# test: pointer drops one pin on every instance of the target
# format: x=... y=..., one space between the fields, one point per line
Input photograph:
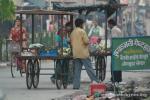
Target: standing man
x=79 y=42
x=116 y=76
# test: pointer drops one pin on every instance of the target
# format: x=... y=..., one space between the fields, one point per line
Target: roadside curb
x=70 y=96
x=2 y=96
x=4 y=64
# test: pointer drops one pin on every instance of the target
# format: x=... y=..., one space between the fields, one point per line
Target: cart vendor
x=62 y=35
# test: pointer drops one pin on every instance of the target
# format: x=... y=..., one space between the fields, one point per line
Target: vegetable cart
x=34 y=56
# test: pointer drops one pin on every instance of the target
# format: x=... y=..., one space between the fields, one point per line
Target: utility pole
x=132 y=17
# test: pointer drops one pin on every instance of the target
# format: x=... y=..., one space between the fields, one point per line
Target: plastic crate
x=97 y=87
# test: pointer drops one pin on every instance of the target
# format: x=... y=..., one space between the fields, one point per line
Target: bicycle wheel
x=14 y=69
x=102 y=68
x=19 y=66
x=29 y=74
x=36 y=73
x=58 y=74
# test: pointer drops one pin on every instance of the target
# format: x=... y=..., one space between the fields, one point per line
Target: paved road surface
x=15 y=88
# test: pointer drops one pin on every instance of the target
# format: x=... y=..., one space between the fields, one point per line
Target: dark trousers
x=116 y=76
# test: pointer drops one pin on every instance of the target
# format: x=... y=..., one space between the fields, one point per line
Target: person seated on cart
x=19 y=36
x=62 y=35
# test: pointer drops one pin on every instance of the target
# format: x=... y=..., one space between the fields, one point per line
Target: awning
x=44 y=12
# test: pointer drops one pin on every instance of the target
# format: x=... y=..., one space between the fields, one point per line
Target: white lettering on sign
x=131 y=43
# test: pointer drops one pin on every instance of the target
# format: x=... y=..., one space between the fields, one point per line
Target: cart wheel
x=58 y=74
x=14 y=69
x=36 y=74
x=96 y=67
x=102 y=67
x=29 y=75
x=103 y=64
x=65 y=69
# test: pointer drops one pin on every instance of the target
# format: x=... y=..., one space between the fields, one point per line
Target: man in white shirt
x=115 y=32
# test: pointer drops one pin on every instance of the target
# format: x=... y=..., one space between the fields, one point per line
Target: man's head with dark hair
x=69 y=26
x=79 y=22
x=112 y=23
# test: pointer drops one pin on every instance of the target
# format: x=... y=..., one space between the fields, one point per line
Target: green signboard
x=131 y=53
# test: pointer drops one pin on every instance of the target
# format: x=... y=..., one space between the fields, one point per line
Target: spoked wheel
x=64 y=71
x=102 y=67
x=29 y=74
x=14 y=69
x=36 y=73
x=97 y=67
x=58 y=74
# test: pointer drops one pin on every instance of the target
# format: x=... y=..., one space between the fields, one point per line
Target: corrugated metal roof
x=66 y=1
x=45 y=12
x=91 y=6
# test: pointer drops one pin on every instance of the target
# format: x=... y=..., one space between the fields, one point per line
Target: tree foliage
x=7 y=10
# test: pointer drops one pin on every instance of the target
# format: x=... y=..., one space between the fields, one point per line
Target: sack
x=92 y=49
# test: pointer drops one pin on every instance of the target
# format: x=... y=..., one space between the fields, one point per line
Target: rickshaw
x=108 y=10
x=33 y=60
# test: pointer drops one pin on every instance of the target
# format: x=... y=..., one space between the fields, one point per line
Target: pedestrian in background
x=80 y=42
x=96 y=32
x=116 y=76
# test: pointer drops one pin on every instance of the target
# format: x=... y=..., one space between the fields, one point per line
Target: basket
x=14 y=46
